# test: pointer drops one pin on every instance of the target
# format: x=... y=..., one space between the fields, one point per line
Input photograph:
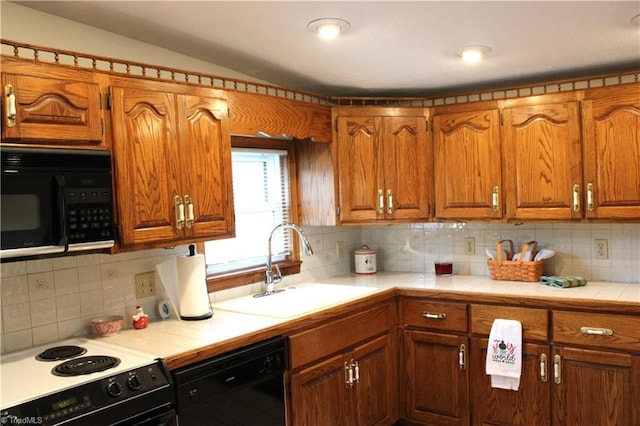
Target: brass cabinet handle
x=380 y=201
x=389 y=202
x=348 y=374
x=434 y=315
x=10 y=105
x=179 y=208
x=543 y=368
x=351 y=373
x=557 y=369
x=462 y=355
x=590 y=205
x=576 y=198
x=495 y=199
x=190 y=215
x=596 y=331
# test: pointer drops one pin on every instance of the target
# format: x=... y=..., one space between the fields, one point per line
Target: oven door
x=165 y=418
x=31 y=210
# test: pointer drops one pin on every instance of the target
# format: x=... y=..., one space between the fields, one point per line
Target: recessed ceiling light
x=329 y=28
x=635 y=20
x=474 y=54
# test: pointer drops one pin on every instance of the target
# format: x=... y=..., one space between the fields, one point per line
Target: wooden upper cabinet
x=384 y=168
x=60 y=107
x=543 y=161
x=611 y=135
x=360 y=168
x=145 y=164
x=205 y=164
x=468 y=164
x=172 y=155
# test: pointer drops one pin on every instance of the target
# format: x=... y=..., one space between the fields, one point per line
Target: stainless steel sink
x=295 y=300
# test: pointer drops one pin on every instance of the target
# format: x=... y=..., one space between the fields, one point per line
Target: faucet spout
x=272 y=279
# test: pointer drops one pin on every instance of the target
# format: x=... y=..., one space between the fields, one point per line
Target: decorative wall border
x=174 y=75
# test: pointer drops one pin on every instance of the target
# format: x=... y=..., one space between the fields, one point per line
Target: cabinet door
x=529 y=406
x=360 y=169
x=611 y=128
x=205 y=165
x=376 y=395
x=144 y=147
x=468 y=165
x=320 y=395
x=595 y=388
x=407 y=171
x=436 y=382
x=542 y=157
x=56 y=110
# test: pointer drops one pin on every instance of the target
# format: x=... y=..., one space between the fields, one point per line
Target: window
x=262 y=200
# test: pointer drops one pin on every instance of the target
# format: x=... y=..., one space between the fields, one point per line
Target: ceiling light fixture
x=329 y=28
x=474 y=54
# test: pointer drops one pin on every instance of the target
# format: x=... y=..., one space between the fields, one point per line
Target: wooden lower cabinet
x=435 y=378
x=529 y=406
x=595 y=388
x=356 y=388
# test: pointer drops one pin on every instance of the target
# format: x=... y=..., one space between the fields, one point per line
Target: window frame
x=238 y=277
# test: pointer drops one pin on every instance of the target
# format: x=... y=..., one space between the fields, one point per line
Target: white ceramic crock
x=365 y=260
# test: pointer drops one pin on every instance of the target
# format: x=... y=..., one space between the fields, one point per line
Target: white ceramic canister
x=365 y=260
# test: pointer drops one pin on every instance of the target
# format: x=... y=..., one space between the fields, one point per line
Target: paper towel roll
x=192 y=287
x=185 y=283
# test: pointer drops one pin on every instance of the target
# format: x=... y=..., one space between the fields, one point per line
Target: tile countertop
x=173 y=338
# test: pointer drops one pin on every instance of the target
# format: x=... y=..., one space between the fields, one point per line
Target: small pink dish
x=107 y=326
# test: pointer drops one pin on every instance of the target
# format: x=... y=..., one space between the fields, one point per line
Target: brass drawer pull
x=434 y=315
x=380 y=201
x=596 y=331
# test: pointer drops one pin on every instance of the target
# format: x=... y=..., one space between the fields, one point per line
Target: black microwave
x=55 y=202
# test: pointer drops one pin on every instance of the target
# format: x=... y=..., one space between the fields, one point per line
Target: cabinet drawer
x=434 y=315
x=620 y=332
x=338 y=335
x=535 y=322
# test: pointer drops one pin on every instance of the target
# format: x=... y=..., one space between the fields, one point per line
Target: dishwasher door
x=242 y=387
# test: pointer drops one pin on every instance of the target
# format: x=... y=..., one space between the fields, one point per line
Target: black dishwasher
x=243 y=387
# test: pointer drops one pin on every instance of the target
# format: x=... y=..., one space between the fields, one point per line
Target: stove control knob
x=114 y=389
x=134 y=382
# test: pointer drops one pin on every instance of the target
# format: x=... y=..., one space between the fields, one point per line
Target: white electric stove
x=82 y=381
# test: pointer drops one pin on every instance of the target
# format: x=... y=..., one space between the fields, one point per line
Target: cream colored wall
x=22 y=24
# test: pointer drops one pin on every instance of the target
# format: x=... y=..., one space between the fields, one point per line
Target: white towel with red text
x=504 y=354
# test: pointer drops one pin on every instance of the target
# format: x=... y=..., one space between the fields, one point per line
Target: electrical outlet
x=601 y=249
x=470 y=246
x=145 y=284
x=339 y=248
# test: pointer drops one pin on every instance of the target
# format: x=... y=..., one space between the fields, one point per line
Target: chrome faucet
x=272 y=279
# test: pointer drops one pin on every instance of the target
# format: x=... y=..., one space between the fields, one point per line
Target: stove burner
x=60 y=352
x=85 y=365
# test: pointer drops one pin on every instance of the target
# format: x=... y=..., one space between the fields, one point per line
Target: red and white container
x=365 y=260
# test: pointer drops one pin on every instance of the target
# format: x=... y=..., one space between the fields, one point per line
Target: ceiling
x=393 y=48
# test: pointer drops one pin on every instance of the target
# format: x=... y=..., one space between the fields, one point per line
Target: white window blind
x=261 y=201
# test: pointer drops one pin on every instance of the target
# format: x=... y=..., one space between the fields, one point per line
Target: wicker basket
x=516 y=270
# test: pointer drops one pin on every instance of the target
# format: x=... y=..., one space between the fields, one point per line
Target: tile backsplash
x=52 y=299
